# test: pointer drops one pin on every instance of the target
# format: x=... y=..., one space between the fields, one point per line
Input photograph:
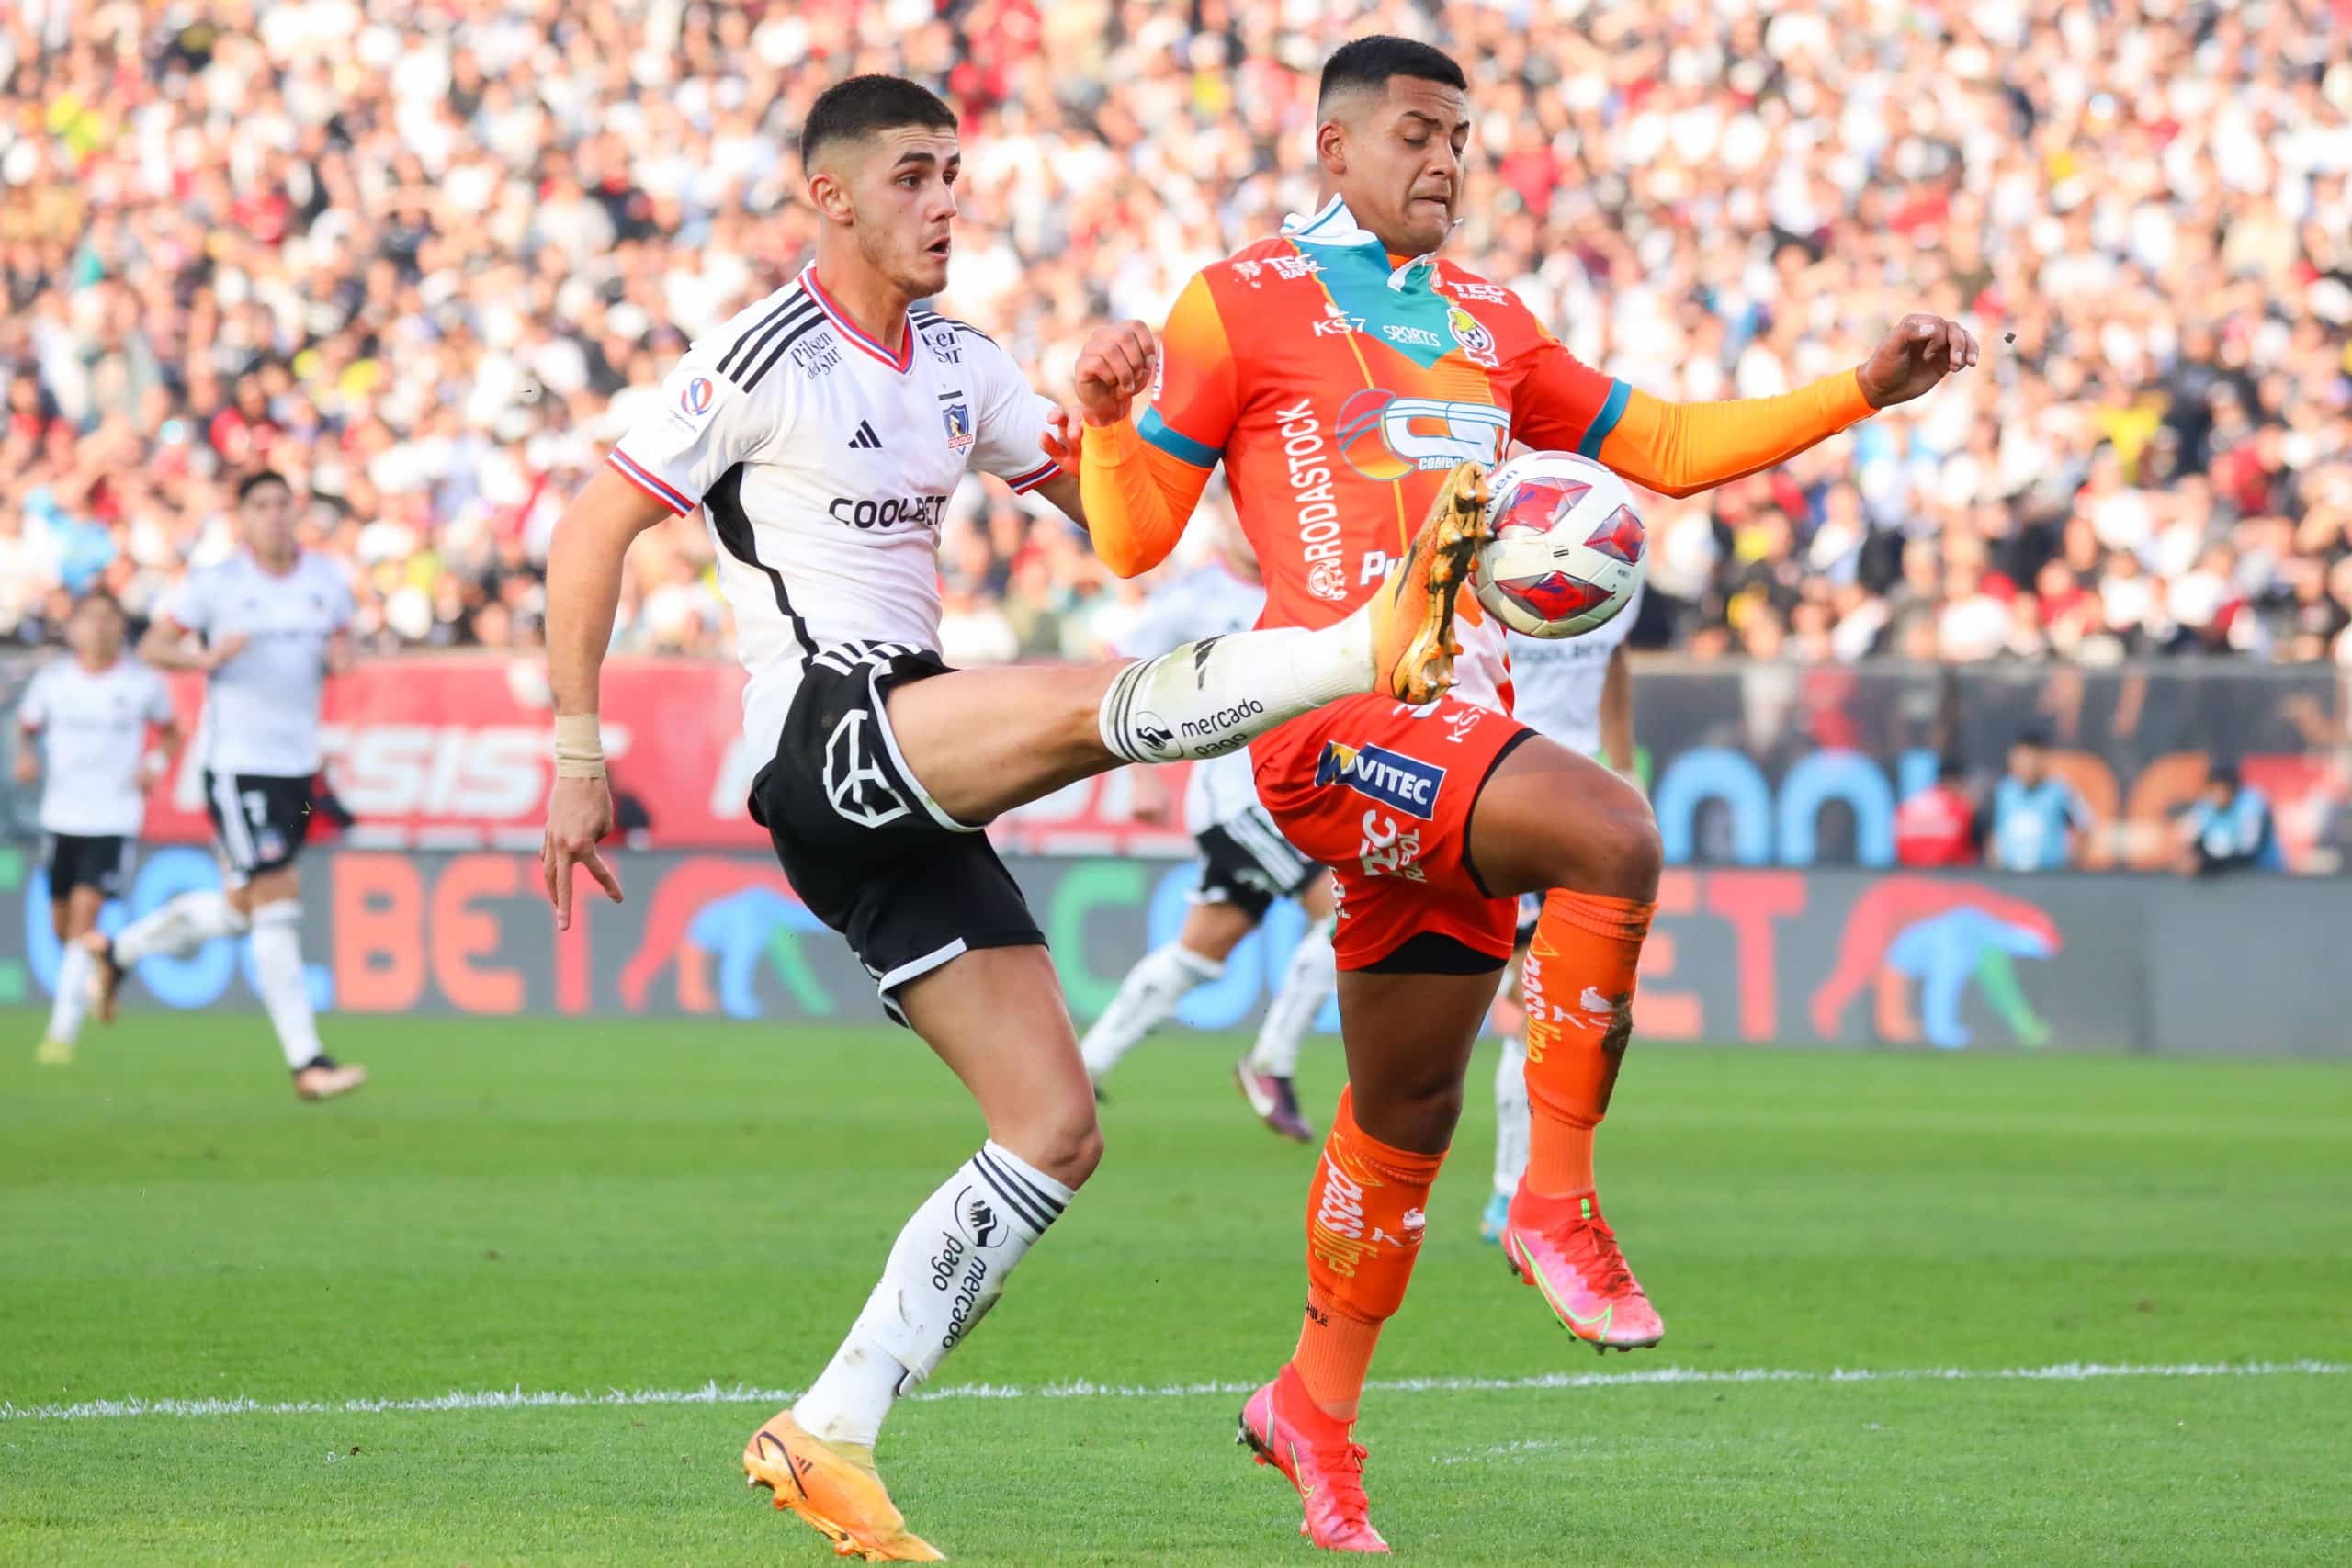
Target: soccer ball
x=1565 y=549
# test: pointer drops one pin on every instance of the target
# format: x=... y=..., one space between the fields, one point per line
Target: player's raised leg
x=1600 y=866
x=980 y=742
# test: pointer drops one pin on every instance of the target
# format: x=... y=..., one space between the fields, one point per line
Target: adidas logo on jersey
x=864 y=440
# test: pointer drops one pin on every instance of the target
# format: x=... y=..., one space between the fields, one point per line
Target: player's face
x=95 y=633
x=902 y=192
x=1403 y=174
x=265 y=518
x=2025 y=762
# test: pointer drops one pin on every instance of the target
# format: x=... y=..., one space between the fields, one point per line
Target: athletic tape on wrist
x=579 y=747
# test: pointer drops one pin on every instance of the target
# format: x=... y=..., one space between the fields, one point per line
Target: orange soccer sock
x=1578 y=984
x=1364 y=1221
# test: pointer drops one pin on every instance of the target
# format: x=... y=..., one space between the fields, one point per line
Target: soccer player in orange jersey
x=1342 y=374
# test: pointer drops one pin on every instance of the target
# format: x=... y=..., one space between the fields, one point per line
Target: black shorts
x=259 y=821
x=869 y=852
x=1247 y=862
x=80 y=860
x=1531 y=909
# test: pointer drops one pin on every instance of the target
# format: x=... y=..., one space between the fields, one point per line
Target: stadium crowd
x=428 y=259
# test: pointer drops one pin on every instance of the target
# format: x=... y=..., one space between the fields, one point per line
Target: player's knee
x=1610 y=845
x=1063 y=1141
x=1417 y=1113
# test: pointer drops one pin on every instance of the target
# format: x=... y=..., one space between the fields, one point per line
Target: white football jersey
x=261 y=709
x=1208 y=600
x=823 y=464
x=1557 y=682
x=93 y=737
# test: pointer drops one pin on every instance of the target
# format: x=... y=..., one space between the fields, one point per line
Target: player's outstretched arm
x=584 y=561
x=1683 y=448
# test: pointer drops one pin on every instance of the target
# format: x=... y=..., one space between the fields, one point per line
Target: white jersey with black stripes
x=823 y=464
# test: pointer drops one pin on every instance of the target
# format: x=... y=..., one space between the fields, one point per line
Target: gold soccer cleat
x=1412 y=626
x=832 y=1486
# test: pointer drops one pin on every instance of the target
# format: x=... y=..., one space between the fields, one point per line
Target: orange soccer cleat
x=1318 y=1454
x=1412 y=613
x=834 y=1487
x=1564 y=1248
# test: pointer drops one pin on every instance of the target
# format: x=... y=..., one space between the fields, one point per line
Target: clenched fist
x=1114 y=368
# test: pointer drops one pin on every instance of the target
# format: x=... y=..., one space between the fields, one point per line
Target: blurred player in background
x=264 y=628
x=90 y=715
x=1348 y=378
x=1579 y=691
x=1246 y=864
x=820 y=432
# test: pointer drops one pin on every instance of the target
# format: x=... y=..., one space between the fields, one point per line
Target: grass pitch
x=542 y=1208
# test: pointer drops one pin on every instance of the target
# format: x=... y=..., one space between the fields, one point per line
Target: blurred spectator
x=2229 y=828
x=1940 y=824
x=2039 y=820
x=427 y=261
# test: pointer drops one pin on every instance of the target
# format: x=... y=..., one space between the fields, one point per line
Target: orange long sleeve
x=1137 y=498
x=1682 y=448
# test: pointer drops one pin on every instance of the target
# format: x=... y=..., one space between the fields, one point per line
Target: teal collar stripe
x=1392 y=306
x=1174 y=442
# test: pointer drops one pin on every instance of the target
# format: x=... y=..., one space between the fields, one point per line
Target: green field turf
x=543 y=1207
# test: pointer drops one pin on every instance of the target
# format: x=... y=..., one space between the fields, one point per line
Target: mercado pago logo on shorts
x=1400 y=783
x=1385 y=436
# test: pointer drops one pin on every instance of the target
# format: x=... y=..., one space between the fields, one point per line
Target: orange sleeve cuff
x=1682 y=448
x=1137 y=498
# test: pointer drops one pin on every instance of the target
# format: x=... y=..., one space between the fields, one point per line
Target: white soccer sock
x=285 y=989
x=1210 y=697
x=1510 y=1116
x=179 y=927
x=72 y=994
x=946 y=1269
x=1312 y=976
x=1151 y=991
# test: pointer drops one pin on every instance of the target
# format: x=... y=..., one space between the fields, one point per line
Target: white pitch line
x=741 y=1393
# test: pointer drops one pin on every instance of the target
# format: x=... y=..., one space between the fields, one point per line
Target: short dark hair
x=857 y=106
x=259 y=477
x=1371 y=61
x=2033 y=735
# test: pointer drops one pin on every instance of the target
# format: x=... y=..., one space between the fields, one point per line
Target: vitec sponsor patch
x=1400 y=783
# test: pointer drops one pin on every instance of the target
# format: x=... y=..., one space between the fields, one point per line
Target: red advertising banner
x=453 y=753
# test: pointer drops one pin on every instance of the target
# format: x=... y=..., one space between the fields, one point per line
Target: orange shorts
x=1381 y=792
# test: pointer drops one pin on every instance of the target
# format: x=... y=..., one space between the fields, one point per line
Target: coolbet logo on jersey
x=1385 y=436
x=1400 y=783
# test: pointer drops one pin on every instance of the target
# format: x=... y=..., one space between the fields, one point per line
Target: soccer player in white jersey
x=820 y=432
x=1579 y=691
x=90 y=716
x=1246 y=864
x=265 y=629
